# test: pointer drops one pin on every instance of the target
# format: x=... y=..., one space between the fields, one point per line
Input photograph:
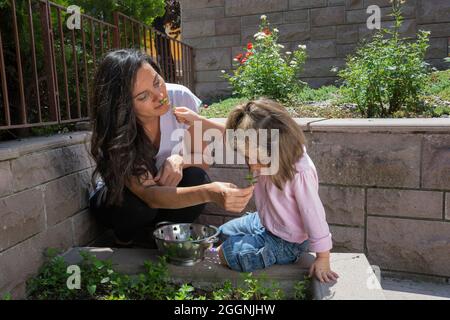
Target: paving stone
x=62 y=198
x=198 y=4
x=6 y=180
x=296 y=16
x=22 y=215
x=409 y=245
x=328 y=16
x=199 y=28
x=436 y=162
x=343 y=205
x=248 y=7
x=85 y=228
x=366 y=159
x=22 y=261
x=196 y=14
x=433 y=11
x=301 y=4
x=228 y=26
x=347 y=239
x=323 y=33
x=405 y=203
x=255 y=20
x=213 y=59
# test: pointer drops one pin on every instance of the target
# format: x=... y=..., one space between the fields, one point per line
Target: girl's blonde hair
x=268 y=114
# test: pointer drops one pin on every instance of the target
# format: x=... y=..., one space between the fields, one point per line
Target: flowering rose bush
x=264 y=69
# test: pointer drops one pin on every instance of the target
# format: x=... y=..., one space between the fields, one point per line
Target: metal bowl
x=184 y=244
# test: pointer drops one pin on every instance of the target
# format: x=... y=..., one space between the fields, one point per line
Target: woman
x=141 y=181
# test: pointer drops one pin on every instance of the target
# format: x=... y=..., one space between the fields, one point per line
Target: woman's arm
x=226 y=195
x=192 y=119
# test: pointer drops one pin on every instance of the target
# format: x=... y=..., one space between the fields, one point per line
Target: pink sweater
x=296 y=213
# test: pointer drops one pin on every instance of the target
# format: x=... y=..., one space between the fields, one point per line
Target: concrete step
x=353 y=268
x=404 y=289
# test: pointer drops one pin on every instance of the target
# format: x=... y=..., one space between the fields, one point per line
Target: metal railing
x=46 y=68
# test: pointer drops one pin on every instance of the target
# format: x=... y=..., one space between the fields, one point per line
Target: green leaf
x=91 y=289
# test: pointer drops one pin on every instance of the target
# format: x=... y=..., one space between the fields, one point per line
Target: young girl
x=290 y=217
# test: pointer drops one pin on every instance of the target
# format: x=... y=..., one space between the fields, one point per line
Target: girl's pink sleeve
x=306 y=189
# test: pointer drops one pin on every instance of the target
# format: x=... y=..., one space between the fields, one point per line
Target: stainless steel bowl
x=184 y=244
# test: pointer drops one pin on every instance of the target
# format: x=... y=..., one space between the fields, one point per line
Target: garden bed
x=112 y=274
x=328 y=102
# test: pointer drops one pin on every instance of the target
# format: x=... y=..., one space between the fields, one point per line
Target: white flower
x=260 y=35
x=234 y=59
x=334 y=69
x=302 y=46
x=223 y=71
x=288 y=53
x=275 y=30
x=293 y=64
x=281 y=46
x=263 y=17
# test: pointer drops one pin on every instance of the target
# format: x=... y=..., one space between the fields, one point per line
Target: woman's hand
x=321 y=269
x=171 y=172
x=230 y=197
x=186 y=115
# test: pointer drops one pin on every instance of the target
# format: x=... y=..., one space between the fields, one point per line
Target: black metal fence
x=46 y=68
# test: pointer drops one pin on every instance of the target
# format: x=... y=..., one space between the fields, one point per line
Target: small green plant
x=301 y=288
x=6 y=297
x=256 y=289
x=251 y=288
x=226 y=292
x=250 y=178
x=389 y=73
x=264 y=70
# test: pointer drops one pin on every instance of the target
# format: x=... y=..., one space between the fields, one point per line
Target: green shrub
x=389 y=73
x=264 y=70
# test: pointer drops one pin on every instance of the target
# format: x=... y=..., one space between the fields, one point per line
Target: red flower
x=239 y=56
x=244 y=60
x=249 y=46
x=267 y=31
x=248 y=54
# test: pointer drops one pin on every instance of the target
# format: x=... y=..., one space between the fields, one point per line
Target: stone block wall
x=43 y=203
x=331 y=29
x=385 y=186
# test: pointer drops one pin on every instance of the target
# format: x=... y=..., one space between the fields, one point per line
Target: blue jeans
x=248 y=246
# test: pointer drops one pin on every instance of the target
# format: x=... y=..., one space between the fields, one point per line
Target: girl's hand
x=186 y=115
x=321 y=269
x=230 y=197
x=171 y=172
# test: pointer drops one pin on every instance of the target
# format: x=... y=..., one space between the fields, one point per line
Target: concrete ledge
x=383 y=125
x=16 y=148
x=353 y=268
x=355 y=278
x=371 y=125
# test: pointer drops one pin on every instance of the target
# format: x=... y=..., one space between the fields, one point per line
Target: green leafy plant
x=6 y=297
x=251 y=288
x=388 y=73
x=256 y=289
x=226 y=292
x=99 y=281
x=264 y=70
x=250 y=178
x=301 y=288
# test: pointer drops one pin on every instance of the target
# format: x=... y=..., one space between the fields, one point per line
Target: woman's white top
x=171 y=138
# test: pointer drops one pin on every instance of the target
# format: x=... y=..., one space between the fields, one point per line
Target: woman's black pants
x=128 y=219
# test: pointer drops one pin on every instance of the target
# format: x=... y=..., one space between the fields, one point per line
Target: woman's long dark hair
x=119 y=145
